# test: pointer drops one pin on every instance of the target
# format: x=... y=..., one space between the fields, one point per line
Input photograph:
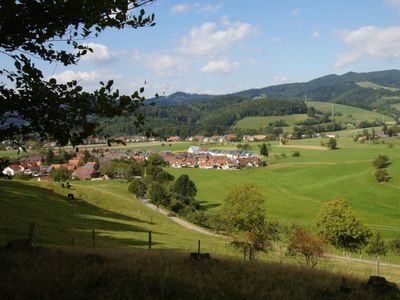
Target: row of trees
x=162 y=188
x=243 y=217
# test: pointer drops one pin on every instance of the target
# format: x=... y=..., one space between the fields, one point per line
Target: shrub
x=382 y=175
x=21 y=176
x=296 y=154
x=382 y=161
x=60 y=174
x=283 y=155
x=332 y=143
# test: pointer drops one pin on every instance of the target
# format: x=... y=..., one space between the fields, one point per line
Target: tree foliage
x=264 y=150
x=332 y=143
x=395 y=245
x=119 y=168
x=340 y=227
x=55 y=32
x=306 y=245
x=184 y=189
x=158 y=194
x=137 y=187
x=382 y=175
x=244 y=212
x=60 y=174
x=382 y=161
x=376 y=246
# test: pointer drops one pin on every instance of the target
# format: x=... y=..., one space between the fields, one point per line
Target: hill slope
x=117 y=217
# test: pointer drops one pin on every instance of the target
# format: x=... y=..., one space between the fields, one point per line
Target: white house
x=12 y=170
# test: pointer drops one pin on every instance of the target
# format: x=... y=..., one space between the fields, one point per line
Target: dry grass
x=139 y=274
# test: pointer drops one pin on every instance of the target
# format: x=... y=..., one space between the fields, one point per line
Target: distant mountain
x=178 y=98
x=344 y=89
x=334 y=88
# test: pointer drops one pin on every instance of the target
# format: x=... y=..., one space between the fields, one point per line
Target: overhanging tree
x=54 y=32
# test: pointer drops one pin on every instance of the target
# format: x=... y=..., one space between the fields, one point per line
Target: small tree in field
x=184 y=189
x=264 y=150
x=395 y=245
x=382 y=161
x=60 y=174
x=306 y=245
x=244 y=212
x=338 y=225
x=376 y=247
x=381 y=175
x=332 y=143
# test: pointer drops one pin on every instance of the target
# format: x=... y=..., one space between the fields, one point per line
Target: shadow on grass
x=58 y=220
x=205 y=205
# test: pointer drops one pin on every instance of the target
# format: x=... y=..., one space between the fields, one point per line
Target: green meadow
x=118 y=218
x=348 y=114
x=296 y=187
x=262 y=122
x=375 y=86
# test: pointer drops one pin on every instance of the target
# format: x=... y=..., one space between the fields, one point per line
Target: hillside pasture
x=262 y=122
x=375 y=86
x=349 y=114
x=296 y=187
x=118 y=218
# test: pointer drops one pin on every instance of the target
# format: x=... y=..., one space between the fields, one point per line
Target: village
x=86 y=165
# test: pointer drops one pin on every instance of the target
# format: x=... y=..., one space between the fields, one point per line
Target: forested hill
x=207 y=117
x=371 y=90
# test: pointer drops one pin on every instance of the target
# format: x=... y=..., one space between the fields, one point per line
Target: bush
x=382 y=175
x=382 y=161
x=61 y=174
x=296 y=154
x=332 y=143
x=197 y=217
x=21 y=176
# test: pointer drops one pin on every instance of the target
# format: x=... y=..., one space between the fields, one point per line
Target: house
x=260 y=137
x=87 y=171
x=174 y=139
x=13 y=169
x=331 y=136
x=230 y=137
x=194 y=150
x=31 y=169
x=199 y=138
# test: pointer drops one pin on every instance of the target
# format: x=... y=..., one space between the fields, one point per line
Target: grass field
x=349 y=114
x=375 y=86
x=117 y=217
x=295 y=187
x=262 y=122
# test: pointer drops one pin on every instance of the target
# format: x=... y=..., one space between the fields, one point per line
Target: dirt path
x=181 y=222
x=308 y=147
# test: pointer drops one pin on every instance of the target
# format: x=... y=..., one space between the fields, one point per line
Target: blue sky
x=226 y=46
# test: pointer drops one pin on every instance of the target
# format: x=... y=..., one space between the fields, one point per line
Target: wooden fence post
x=149 y=240
x=93 y=239
x=31 y=231
x=377 y=265
x=198 y=247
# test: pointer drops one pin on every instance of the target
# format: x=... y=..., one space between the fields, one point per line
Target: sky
x=219 y=47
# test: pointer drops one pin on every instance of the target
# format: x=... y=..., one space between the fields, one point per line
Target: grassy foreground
x=50 y=274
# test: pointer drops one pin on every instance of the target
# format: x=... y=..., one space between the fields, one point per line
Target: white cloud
x=219 y=66
x=393 y=3
x=294 y=12
x=208 y=40
x=209 y=8
x=179 y=8
x=315 y=35
x=69 y=75
x=280 y=78
x=163 y=63
x=370 y=42
x=101 y=53
x=276 y=40
x=197 y=7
